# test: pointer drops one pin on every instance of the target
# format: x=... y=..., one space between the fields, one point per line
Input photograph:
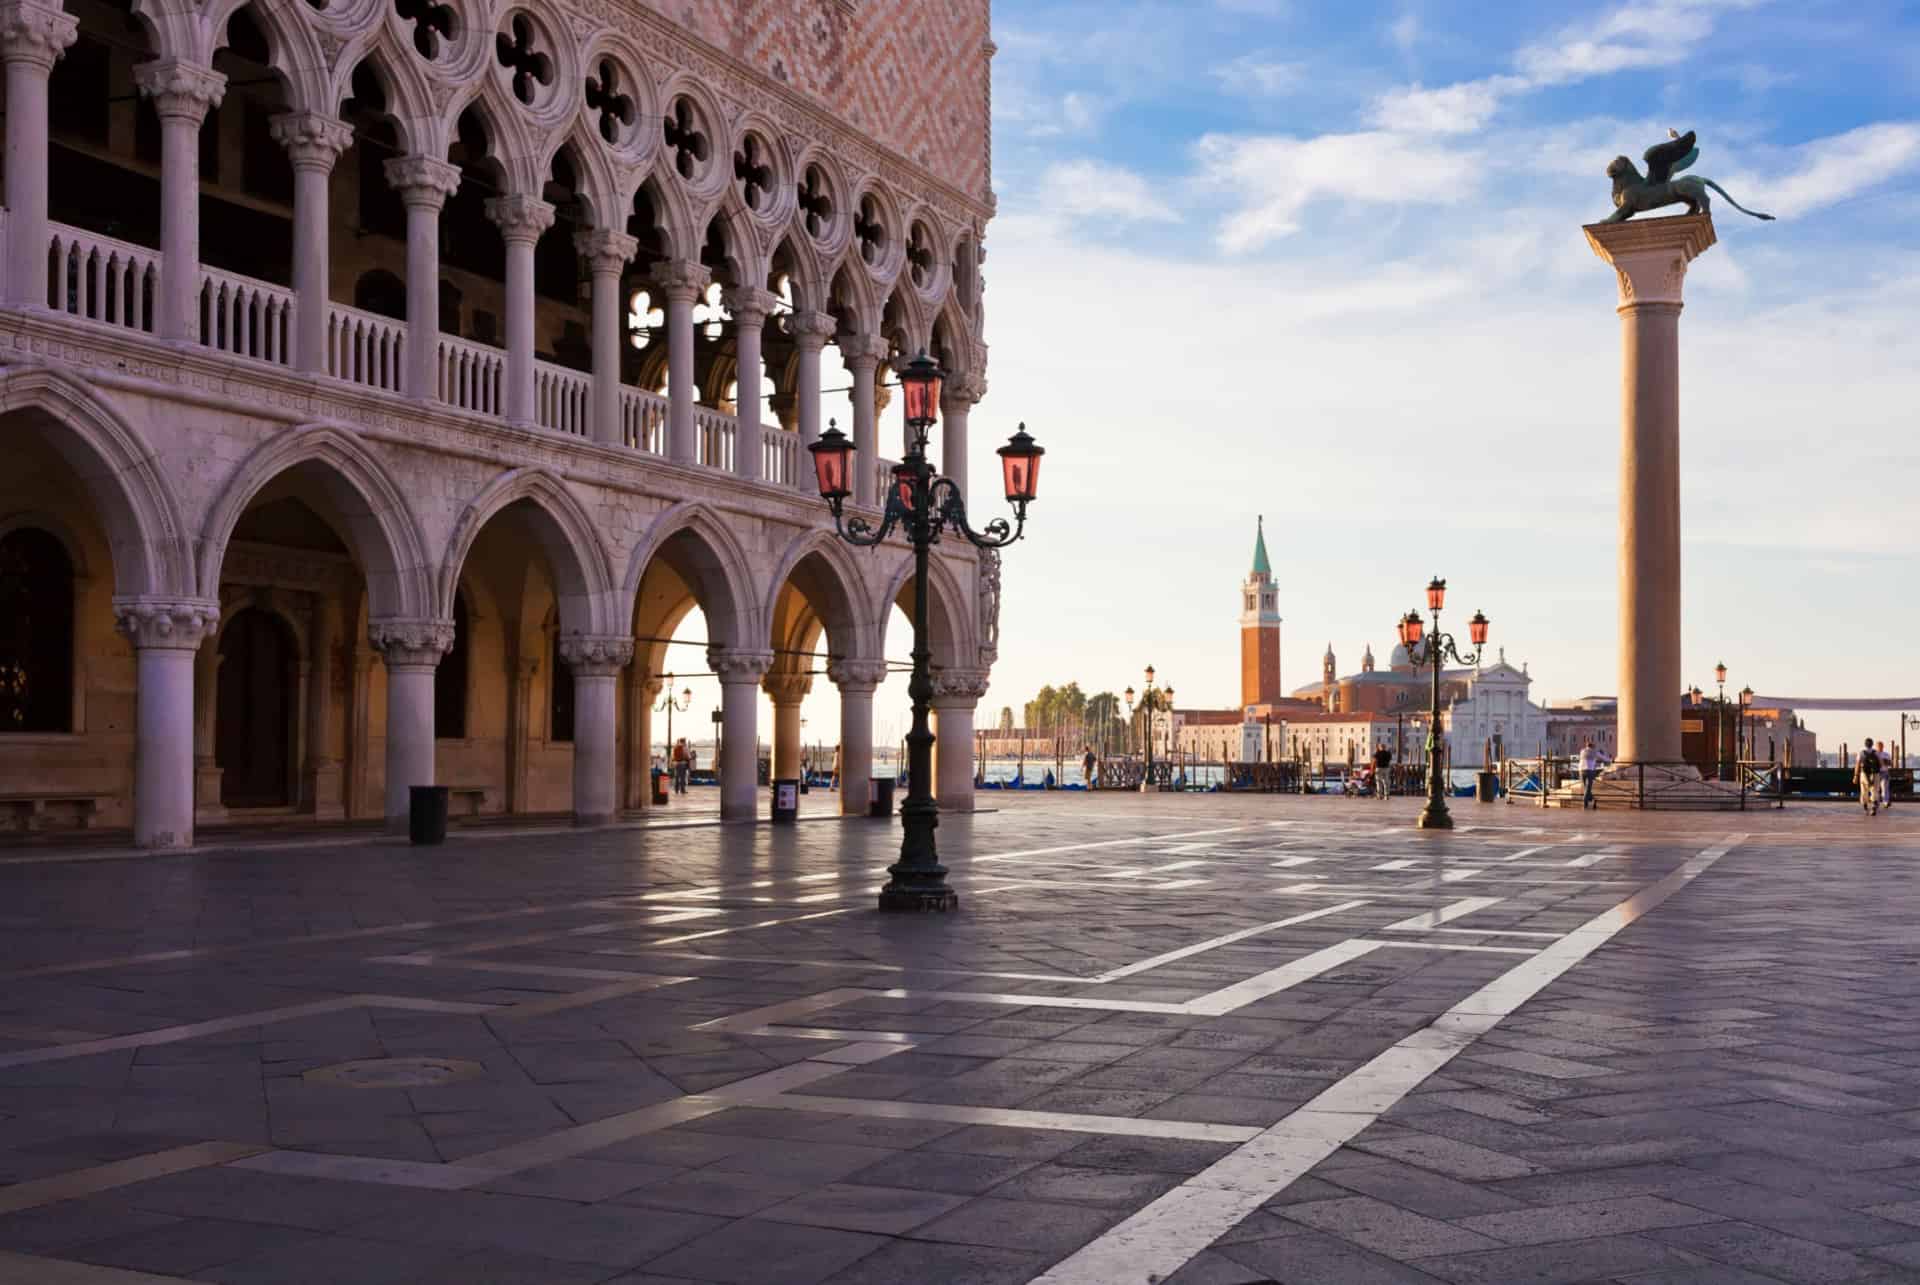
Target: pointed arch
x=294 y=49
x=726 y=588
x=746 y=264
x=409 y=107
x=142 y=517
x=903 y=321
x=792 y=255
x=953 y=641
x=846 y=588
x=594 y=181
x=850 y=299
x=380 y=524
x=563 y=528
x=510 y=146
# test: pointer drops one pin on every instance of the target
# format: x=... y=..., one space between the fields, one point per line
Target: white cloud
x=1451 y=109
x=1276 y=177
x=1842 y=166
x=1254 y=76
x=1086 y=189
x=1653 y=33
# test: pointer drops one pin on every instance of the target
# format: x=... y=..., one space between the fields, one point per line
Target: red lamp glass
x=1149 y=675
x=1129 y=695
x=1020 y=461
x=1412 y=628
x=920 y=381
x=833 y=463
x=1746 y=697
x=903 y=484
x=1477 y=628
x=1436 y=594
x=1720 y=672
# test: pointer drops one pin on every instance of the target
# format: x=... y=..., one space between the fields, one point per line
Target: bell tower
x=1260 y=628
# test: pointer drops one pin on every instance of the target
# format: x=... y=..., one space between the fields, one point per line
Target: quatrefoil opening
x=754 y=175
x=686 y=139
x=529 y=69
x=816 y=203
x=611 y=108
x=434 y=25
x=920 y=255
x=870 y=231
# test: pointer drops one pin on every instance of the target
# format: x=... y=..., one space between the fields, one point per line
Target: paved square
x=1199 y=1040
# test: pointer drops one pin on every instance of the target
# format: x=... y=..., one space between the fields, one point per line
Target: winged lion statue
x=1635 y=193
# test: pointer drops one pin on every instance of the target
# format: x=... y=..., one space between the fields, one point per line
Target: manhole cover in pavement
x=396 y=1073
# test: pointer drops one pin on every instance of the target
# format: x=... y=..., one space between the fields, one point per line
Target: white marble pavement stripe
x=1214 y=943
x=1159 y=1239
x=27 y=1269
x=1445 y=914
x=120 y=1173
x=1014 y=1118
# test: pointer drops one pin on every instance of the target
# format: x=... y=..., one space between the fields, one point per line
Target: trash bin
x=1486 y=787
x=427 y=813
x=786 y=802
x=659 y=789
x=880 y=796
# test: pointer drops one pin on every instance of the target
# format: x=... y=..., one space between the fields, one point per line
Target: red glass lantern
x=903 y=479
x=1746 y=697
x=1412 y=629
x=1720 y=672
x=1020 y=461
x=833 y=463
x=1436 y=593
x=1129 y=695
x=920 y=381
x=1149 y=675
x=1477 y=629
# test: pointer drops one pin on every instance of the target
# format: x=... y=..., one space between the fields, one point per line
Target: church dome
x=1401 y=660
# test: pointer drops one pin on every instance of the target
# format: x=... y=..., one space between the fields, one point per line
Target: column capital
x=963 y=389
x=604 y=249
x=738 y=666
x=750 y=306
x=180 y=624
x=180 y=90
x=596 y=655
x=1650 y=256
x=313 y=141
x=680 y=280
x=651 y=686
x=411 y=644
x=423 y=182
x=520 y=218
x=811 y=330
x=35 y=34
x=857 y=675
x=864 y=351
x=787 y=687
x=959 y=688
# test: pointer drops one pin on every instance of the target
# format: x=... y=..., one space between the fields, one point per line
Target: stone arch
x=129 y=490
x=744 y=263
x=953 y=642
x=561 y=525
x=380 y=525
x=510 y=149
x=903 y=322
x=847 y=604
x=594 y=182
x=295 y=50
x=832 y=243
x=850 y=299
x=716 y=561
x=673 y=222
x=792 y=255
x=407 y=100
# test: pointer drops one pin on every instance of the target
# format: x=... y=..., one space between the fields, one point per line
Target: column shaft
x=740 y=748
x=521 y=220
x=810 y=331
x=856 y=748
x=681 y=283
x=953 y=755
x=412 y=650
x=313 y=144
x=32 y=38
x=182 y=95
x=424 y=184
x=165 y=635
x=748 y=452
x=1650 y=534
x=594 y=769
x=863 y=359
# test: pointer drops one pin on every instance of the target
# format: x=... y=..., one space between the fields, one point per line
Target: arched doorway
x=253 y=721
x=36 y=633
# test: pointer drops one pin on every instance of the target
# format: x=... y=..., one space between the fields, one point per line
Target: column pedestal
x=740 y=673
x=165 y=634
x=856 y=680
x=412 y=650
x=596 y=663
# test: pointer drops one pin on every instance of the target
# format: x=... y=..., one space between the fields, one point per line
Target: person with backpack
x=1867 y=774
x=1382 y=770
x=1088 y=763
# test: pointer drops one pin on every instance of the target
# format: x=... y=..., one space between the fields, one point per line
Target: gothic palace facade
x=384 y=380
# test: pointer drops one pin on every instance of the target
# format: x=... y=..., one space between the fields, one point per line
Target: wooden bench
x=28 y=811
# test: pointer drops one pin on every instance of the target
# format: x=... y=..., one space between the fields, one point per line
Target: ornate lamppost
x=1720 y=723
x=1149 y=701
x=923 y=506
x=1434 y=649
x=668 y=704
x=1745 y=749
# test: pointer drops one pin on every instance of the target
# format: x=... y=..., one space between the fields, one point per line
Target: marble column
x=749 y=308
x=314 y=143
x=1650 y=258
x=166 y=633
x=521 y=220
x=322 y=767
x=596 y=662
x=642 y=691
x=956 y=693
x=856 y=680
x=424 y=184
x=809 y=332
x=739 y=673
x=957 y=397
x=412 y=650
x=787 y=690
x=182 y=95
x=206 y=765
x=607 y=253
x=863 y=355
x=32 y=38
x=681 y=283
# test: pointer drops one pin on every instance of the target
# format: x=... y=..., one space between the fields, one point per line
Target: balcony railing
x=116 y=283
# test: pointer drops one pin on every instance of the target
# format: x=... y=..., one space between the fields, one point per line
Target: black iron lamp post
x=1745 y=750
x=923 y=506
x=1434 y=649
x=1149 y=702
x=1720 y=723
x=669 y=703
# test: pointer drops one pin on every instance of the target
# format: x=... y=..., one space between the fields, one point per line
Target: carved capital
x=749 y=306
x=313 y=141
x=411 y=644
x=738 y=666
x=596 y=655
x=811 y=330
x=180 y=90
x=423 y=182
x=786 y=687
x=1650 y=256
x=681 y=281
x=520 y=218
x=651 y=686
x=177 y=623
x=604 y=249
x=857 y=675
x=35 y=35
x=963 y=390
x=863 y=351
x=960 y=688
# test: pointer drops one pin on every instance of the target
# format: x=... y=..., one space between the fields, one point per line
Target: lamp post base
x=1435 y=817
x=928 y=898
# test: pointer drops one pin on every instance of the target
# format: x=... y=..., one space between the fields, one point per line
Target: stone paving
x=1193 y=1040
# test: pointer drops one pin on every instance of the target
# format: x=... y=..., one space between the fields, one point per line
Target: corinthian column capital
x=35 y=35
x=864 y=351
x=411 y=644
x=180 y=90
x=811 y=330
x=520 y=218
x=738 y=666
x=596 y=655
x=604 y=249
x=422 y=181
x=959 y=687
x=749 y=306
x=178 y=623
x=680 y=280
x=313 y=141
x=857 y=675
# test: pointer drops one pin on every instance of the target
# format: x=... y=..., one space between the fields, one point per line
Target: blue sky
x=1324 y=262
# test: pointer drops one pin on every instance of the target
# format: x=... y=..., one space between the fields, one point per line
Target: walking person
x=1383 y=771
x=1088 y=765
x=680 y=766
x=1866 y=774
x=1591 y=761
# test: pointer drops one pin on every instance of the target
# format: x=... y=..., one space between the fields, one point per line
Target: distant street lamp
x=923 y=506
x=1720 y=723
x=1149 y=699
x=717 y=718
x=1434 y=649
x=1745 y=748
x=668 y=704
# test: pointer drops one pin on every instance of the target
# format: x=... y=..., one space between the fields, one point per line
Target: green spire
x=1261 y=567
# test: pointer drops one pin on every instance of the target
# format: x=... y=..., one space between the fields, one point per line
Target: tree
x=1105 y=721
x=1006 y=719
